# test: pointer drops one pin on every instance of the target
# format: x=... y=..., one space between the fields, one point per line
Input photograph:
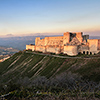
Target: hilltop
x=31 y=65
x=34 y=75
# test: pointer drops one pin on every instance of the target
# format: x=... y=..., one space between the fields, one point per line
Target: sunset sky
x=25 y=17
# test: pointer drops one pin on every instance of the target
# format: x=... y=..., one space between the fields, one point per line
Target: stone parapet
x=30 y=47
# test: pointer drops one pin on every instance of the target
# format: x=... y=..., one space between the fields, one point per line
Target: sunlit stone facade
x=70 y=43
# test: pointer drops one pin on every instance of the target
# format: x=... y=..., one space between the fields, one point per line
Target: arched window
x=87 y=52
x=83 y=52
x=79 y=53
x=90 y=53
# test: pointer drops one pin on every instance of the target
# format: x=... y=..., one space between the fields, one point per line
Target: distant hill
x=94 y=37
x=32 y=65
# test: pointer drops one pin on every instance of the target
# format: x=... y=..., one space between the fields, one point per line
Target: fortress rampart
x=70 y=43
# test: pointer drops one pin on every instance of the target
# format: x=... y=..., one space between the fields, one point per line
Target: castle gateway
x=70 y=44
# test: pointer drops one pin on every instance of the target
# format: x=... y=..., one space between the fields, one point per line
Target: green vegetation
x=30 y=75
x=24 y=64
x=62 y=87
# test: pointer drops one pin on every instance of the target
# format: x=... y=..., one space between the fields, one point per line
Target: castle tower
x=66 y=38
x=36 y=41
x=79 y=36
x=46 y=40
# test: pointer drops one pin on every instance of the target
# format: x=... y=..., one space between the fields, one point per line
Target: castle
x=70 y=44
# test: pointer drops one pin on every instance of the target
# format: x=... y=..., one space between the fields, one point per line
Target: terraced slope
x=31 y=65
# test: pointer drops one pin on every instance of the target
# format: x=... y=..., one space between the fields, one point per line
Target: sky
x=25 y=17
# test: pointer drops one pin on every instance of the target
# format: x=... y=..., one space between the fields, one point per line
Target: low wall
x=70 y=50
x=98 y=44
x=40 y=48
x=83 y=48
x=93 y=44
x=30 y=47
x=53 y=49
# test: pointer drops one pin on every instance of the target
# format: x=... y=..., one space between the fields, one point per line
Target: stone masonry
x=70 y=44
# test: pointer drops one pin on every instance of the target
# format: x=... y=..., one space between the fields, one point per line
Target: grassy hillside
x=28 y=76
x=31 y=65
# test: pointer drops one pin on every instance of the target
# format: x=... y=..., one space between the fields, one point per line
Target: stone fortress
x=70 y=44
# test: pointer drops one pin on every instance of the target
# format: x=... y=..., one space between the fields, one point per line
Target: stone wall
x=40 y=48
x=66 y=38
x=55 y=41
x=93 y=44
x=83 y=48
x=53 y=49
x=98 y=44
x=79 y=36
x=49 y=41
x=59 y=40
x=70 y=50
x=70 y=43
x=39 y=42
x=30 y=47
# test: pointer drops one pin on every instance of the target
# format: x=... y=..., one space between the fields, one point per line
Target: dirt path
x=64 y=56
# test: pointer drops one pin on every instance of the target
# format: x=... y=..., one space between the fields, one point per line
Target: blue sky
x=25 y=17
